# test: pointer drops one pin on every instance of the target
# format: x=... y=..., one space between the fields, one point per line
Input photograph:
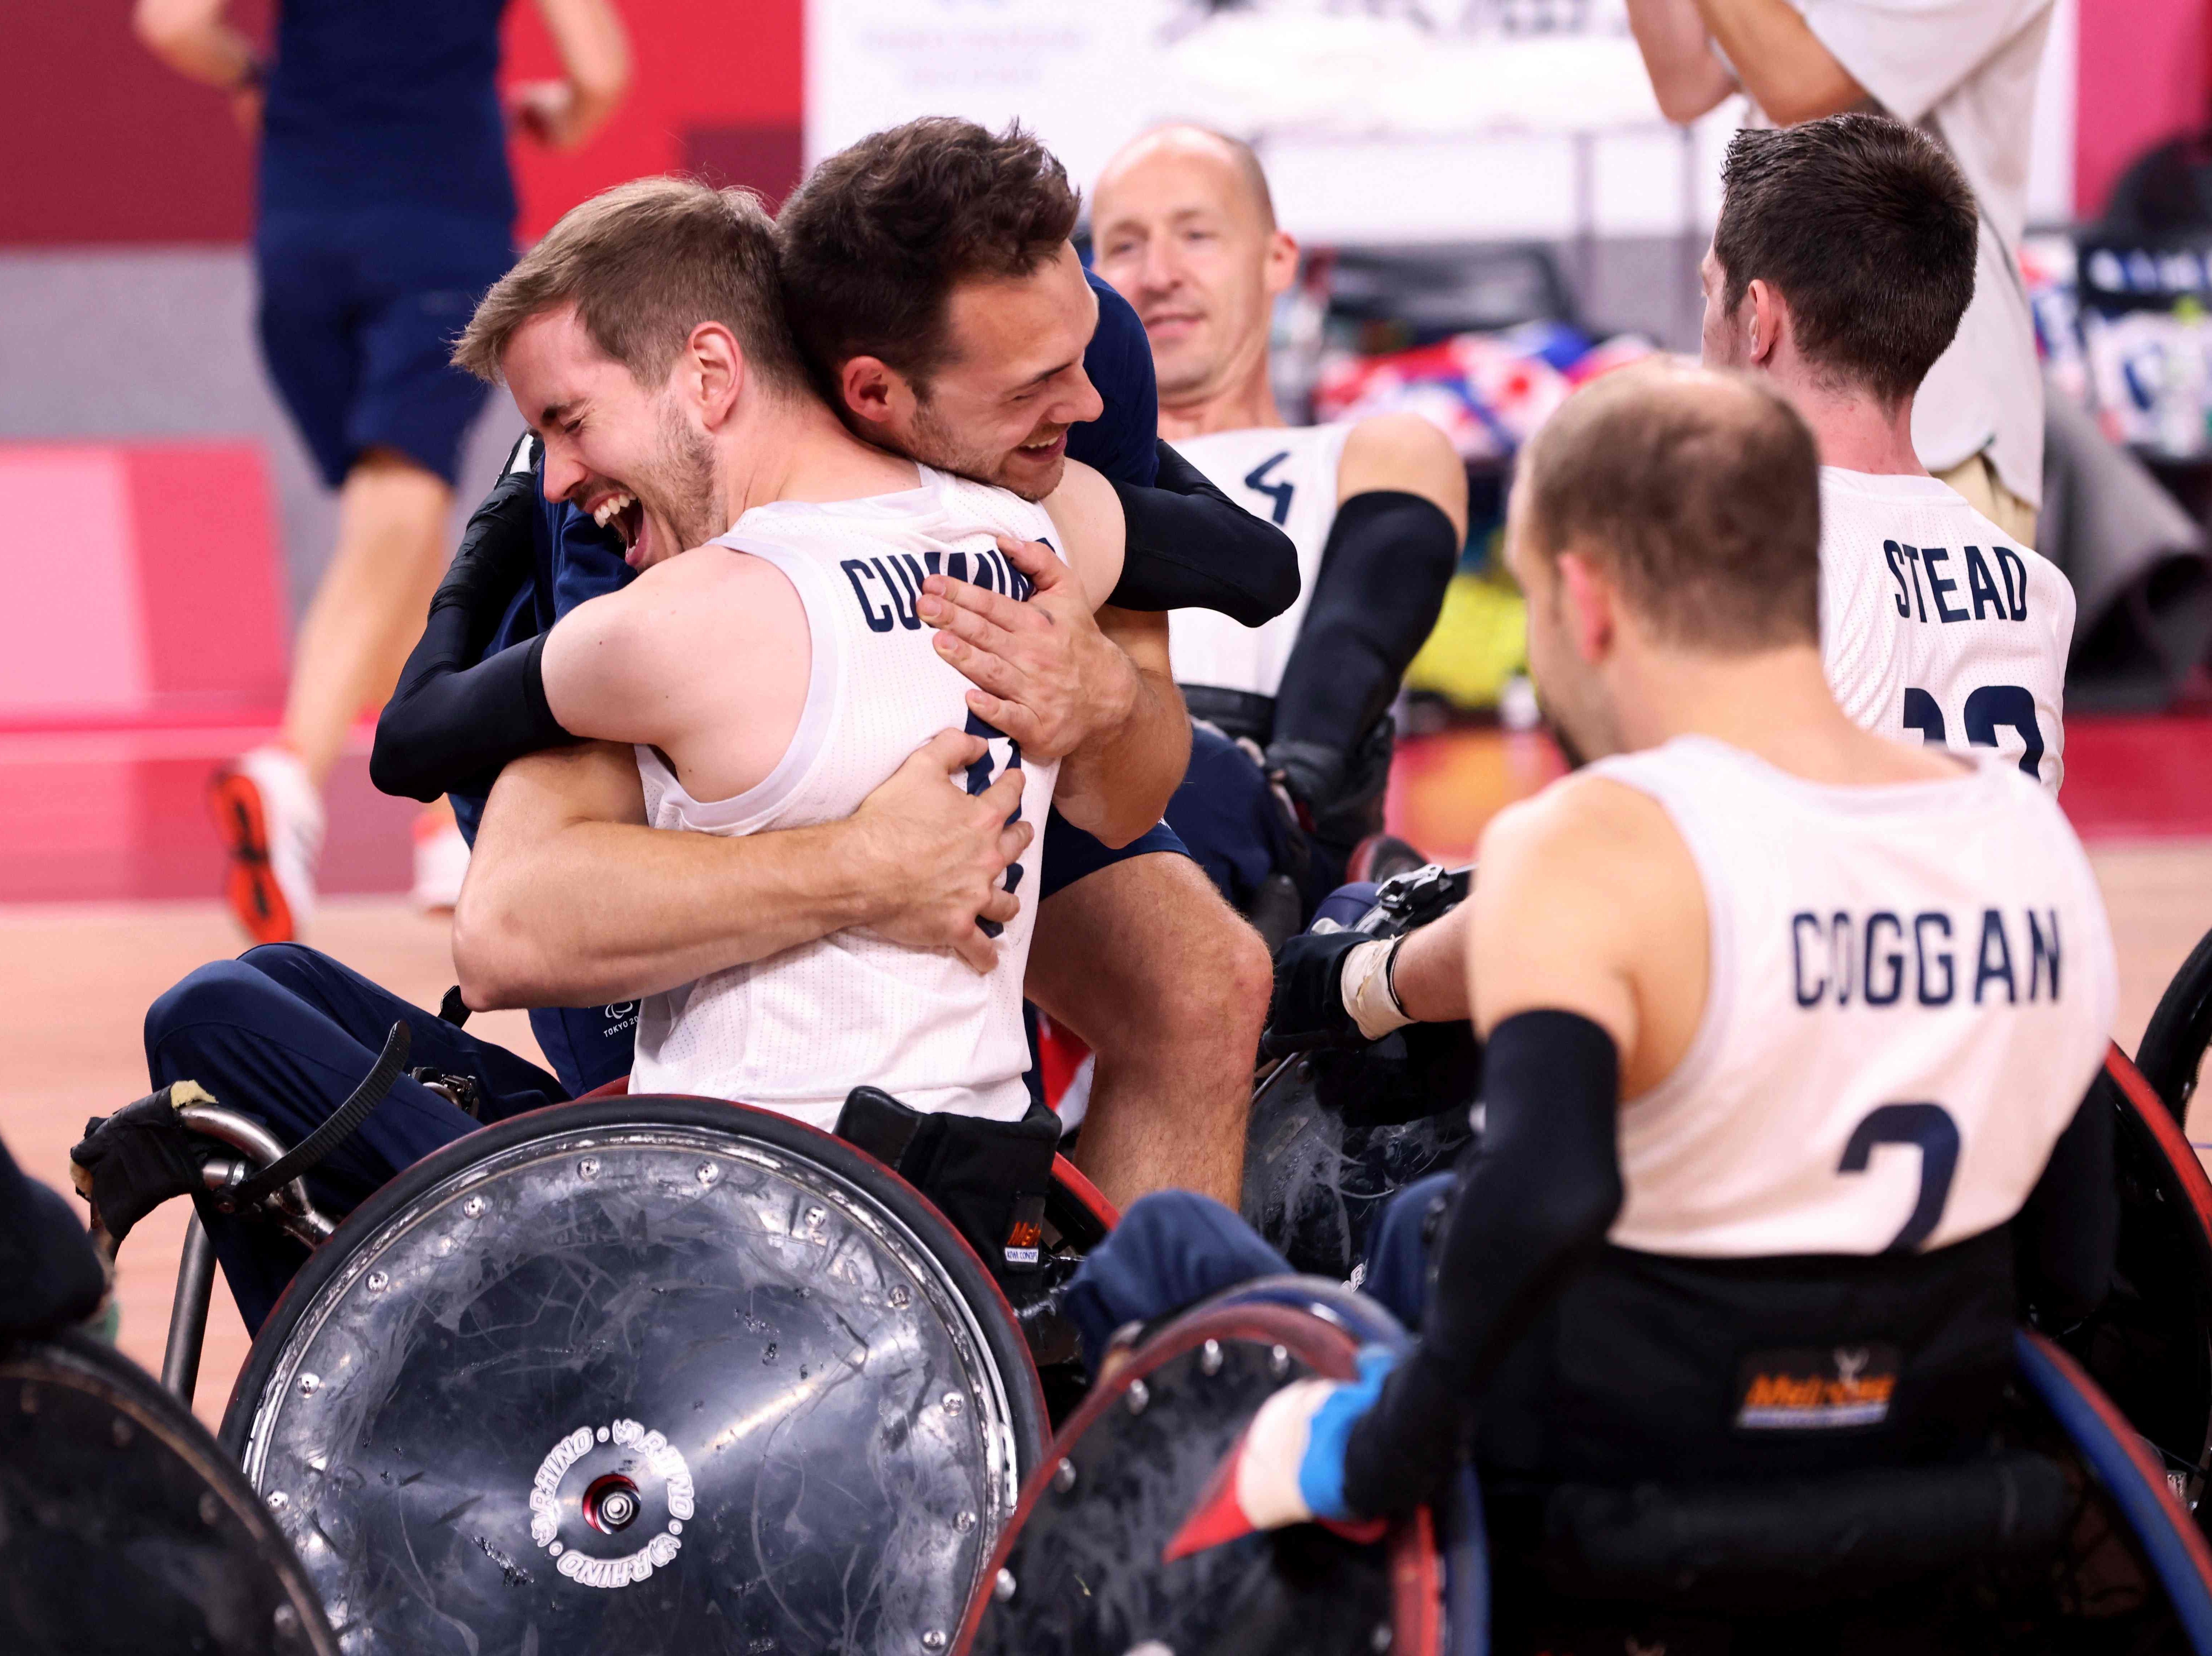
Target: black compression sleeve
x=1188 y=546
x=2067 y=1233
x=456 y=729
x=1389 y=557
x=454 y=720
x=1533 y=1208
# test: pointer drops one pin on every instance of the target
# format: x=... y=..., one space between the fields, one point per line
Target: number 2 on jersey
x=979 y=778
x=1928 y=1129
x=1989 y=710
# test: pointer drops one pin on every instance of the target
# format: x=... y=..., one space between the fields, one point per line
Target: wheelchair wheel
x=1080 y=1572
x=124 y=1528
x=2173 y=1044
x=2149 y=1345
x=642 y=1373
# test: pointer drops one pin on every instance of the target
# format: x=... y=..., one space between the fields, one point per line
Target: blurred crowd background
x=1491 y=204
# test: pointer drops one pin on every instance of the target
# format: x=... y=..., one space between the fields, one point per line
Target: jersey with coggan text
x=1909 y=991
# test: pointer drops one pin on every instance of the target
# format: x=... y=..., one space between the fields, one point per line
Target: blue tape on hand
x=1320 y=1470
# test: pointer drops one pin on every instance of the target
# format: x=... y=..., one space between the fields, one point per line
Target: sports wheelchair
x=1334 y=1135
x=652 y=1372
x=124 y=1527
x=2063 y=1537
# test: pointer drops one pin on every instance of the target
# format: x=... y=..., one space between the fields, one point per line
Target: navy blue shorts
x=1226 y=813
x=359 y=313
x=1070 y=854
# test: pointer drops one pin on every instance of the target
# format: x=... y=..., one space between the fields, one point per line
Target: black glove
x=137 y=1159
x=497 y=554
x=1307 y=1009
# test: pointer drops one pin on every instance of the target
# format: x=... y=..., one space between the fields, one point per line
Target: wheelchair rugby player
x=1841 y=266
x=1711 y=1236
x=825 y=709
x=1787 y=1031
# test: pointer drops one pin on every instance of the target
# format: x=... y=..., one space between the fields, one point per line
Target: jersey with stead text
x=1937 y=626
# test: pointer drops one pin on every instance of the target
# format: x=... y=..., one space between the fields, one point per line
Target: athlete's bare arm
x=571 y=898
x=595 y=66
x=1789 y=75
x=1589 y=903
x=1406 y=453
x=193 y=38
x=704 y=657
x=1069 y=679
x=1687 y=76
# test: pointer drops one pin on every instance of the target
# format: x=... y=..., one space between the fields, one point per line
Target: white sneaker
x=271 y=819
x=441 y=860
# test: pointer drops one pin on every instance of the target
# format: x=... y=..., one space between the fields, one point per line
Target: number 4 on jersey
x=1280 y=493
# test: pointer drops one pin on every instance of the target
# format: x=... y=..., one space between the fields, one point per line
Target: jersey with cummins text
x=1909 y=993
x=1287 y=475
x=797 y=1031
x=1936 y=627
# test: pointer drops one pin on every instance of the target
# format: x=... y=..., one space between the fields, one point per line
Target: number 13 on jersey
x=1988 y=710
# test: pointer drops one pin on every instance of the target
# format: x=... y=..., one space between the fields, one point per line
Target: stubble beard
x=688 y=479
x=935 y=445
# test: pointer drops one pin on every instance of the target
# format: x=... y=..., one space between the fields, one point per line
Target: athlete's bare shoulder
x=1588 y=902
x=1404 y=452
x=1589 y=828
x=707 y=631
x=1088 y=514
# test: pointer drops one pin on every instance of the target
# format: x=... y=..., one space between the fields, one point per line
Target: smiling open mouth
x=620 y=512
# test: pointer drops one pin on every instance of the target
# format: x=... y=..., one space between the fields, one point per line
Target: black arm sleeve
x=2067 y=1233
x=1390 y=556
x=1188 y=546
x=1532 y=1209
x=455 y=719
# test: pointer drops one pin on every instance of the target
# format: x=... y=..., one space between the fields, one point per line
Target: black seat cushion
x=1786 y=1545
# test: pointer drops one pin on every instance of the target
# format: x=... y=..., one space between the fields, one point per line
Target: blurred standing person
x=385 y=209
x=1964 y=72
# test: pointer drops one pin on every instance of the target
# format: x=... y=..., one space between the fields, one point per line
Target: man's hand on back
x=938 y=855
x=1044 y=674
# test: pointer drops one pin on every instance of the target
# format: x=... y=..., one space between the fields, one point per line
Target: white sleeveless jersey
x=1909 y=992
x=1287 y=475
x=797 y=1031
x=1936 y=627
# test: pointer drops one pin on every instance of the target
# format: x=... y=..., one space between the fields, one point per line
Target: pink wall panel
x=142 y=580
x=209 y=569
x=700 y=65
x=2142 y=78
x=72 y=632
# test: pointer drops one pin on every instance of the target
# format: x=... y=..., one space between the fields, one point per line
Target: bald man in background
x=1184 y=228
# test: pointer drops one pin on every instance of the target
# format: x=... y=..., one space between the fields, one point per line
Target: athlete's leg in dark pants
x=284 y=1035
x=1174 y=1248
